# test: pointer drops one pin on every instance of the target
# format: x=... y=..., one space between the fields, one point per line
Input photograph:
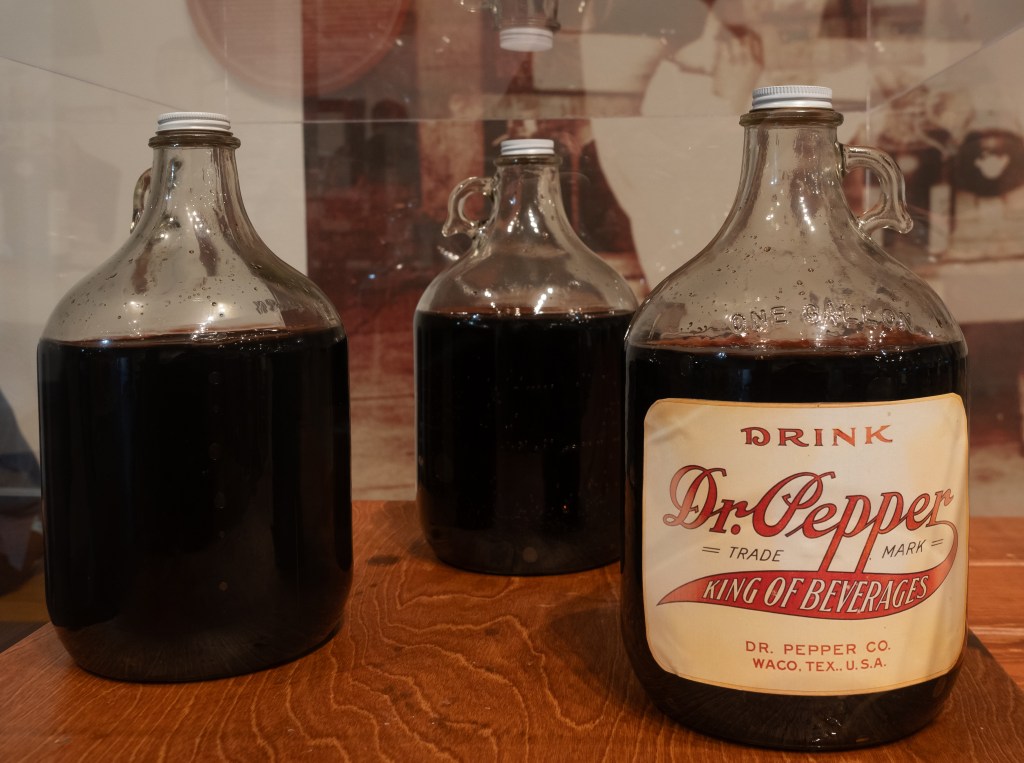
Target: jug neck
x=792 y=174
x=528 y=201
x=194 y=184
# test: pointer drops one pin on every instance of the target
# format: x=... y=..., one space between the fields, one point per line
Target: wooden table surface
x=436 y=664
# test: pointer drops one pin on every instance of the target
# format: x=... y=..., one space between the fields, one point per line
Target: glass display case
x=361 y=116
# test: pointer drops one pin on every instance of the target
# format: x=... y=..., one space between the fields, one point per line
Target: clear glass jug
x=193 y=395
x=519 y=383
x=794 y=570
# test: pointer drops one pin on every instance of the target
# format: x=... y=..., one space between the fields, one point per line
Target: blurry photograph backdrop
x=358 y=117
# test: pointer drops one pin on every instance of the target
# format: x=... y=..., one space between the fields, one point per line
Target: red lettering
x=842 y=527
x=919 y=509
x=871 y=435
x=805 y=497
x=756 y=435
x=729 y=509
x=688 y=505
x=787 y=436
x=794 y=506
x=942 y=498
x=848 y=437
x=760 y=436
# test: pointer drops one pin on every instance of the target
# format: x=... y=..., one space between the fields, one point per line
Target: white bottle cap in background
x=526 y=39
x=792 y=96
x=528 y=147
x=193 y=120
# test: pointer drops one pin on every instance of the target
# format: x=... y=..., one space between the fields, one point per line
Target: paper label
x=806 y=549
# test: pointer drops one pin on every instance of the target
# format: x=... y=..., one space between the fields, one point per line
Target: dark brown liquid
x=197 y=501
x=793 y=374
x=520 y=440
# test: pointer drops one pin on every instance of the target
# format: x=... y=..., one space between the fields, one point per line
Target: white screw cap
x=528 y=147
x=526 y=39
x=193 y=120
x=792 y=96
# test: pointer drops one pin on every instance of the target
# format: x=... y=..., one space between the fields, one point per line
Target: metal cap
x=792 y=96
x=193 y=120
x=528 y=147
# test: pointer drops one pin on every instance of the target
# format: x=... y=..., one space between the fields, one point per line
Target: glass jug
x=519 y=383
x=794 y=570
x=193 y=396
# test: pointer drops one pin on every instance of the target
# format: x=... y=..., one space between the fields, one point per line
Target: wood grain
x=435 y=664
x=995 y=600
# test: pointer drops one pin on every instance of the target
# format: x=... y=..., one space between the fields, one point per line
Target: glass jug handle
x=891 y=210
x=457 y=221
x=139 y=197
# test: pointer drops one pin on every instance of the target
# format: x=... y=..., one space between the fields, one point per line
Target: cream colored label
x=806 y=549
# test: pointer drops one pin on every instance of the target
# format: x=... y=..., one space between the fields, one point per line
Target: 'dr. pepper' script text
x=795 y=505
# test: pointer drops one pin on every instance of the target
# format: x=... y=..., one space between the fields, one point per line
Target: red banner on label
x=818 y=594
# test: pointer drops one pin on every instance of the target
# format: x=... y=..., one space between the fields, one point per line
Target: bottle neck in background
x=528 y=202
